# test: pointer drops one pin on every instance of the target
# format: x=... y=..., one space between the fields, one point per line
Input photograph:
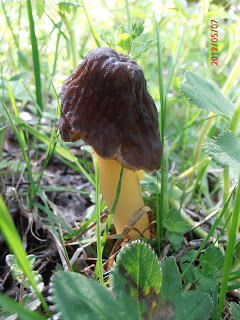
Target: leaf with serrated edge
x=193 y=305
x=190 y=305
x=212 y=260
x=206 y=95
x=76 y=297
x=225 y=151
x=137 y=276
x=171 y=280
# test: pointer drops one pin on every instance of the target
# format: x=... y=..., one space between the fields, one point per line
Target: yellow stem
x=130 y=198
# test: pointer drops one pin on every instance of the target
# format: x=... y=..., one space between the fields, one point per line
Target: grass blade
x=23 y=147
x=35 y=55
x=210 y=233
x=91 y=27
x=230 y=249
x=13 y=240
x=99 y=243
x=162 y=121
x=63 y=152
x=111 y=214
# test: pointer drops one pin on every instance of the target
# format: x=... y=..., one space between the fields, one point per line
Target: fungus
x=105 y=103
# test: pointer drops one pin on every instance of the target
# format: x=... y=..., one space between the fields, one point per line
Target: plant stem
x=73 y=41
x=226 y=179
x=230 y=249
x=235 y=119
x=91 y=27
x=162 y=122
x=128 y=16
x=232 y=76
x=200 y=143
x=193 y=168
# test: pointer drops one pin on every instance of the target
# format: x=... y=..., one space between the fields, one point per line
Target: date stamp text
x=214 y=42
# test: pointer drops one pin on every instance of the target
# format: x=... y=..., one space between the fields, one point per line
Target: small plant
x=28 y=296
x=127 y=43
x=175 y=227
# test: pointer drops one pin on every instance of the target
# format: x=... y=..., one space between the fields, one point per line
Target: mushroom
x=105 y=103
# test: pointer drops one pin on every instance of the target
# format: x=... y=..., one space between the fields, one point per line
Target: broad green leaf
x=171 y=280
x=206 y=95
x=212 y=260
x=15 y=307
x=207 y=283
x=193 y=305
x=138 y=48
x=136 y=276
x=225 y=151
x=235 y=310
x=175 y=238
x=77 y=297
x=190 y=275
x=137 y=28
x=40 y=6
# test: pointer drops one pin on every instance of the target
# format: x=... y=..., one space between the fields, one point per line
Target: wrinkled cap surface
x=105 y=102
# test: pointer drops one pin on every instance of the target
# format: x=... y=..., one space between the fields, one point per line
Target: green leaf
x=212 y=260
x=123 y=39
x=68 y=6
x=225 y=151
x=106 y=40
x=31 y=301
x=75 y=296
x=174 y=222
x=190 y=275
x=207 y=283
x=206 y=95
x=23 y=60
x=137 y=28
x=35 y=56
x=175 y=238
x=171 y=280
x=193 y=305
x=136 y=276
x=235 y=310
x=138 y=48
x=175 y=228
x=40 y=6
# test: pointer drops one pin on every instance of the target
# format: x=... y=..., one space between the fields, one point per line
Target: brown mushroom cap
x=105 y=102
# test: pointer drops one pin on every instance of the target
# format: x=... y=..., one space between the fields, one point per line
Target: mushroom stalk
x=130 y=198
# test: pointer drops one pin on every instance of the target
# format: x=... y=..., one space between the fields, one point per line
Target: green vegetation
x=57 y=232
